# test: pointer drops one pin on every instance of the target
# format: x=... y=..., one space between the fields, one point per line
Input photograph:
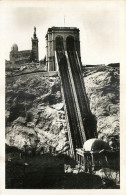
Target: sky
x=99 y=23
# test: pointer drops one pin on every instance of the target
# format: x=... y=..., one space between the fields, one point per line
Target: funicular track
x=69 y=98
x=76 y=72
x=77 y=106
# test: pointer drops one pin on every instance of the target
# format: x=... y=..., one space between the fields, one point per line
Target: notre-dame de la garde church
x=25 y=56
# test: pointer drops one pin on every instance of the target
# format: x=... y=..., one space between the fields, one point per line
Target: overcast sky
x=99 y=23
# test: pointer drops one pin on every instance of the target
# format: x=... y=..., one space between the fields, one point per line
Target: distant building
x=25 y=56
x=114 y=65
x=19 y=57
x=35 y=56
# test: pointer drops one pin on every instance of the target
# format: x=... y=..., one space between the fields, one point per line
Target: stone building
x=52 y=36
x=19 y=57
x=25 y=56
x=35 y=55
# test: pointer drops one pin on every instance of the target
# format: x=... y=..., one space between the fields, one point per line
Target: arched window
x=70 y=43
x=59 y=43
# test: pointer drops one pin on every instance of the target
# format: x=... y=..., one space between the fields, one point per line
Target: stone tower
x=35 y=56
x=13 y=53
x=51 y=36
x=63 y=55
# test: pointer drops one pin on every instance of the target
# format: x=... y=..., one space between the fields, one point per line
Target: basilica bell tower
x=35 y=56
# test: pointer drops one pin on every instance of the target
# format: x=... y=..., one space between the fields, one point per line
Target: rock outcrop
x=34 y=111
x=34 y=107
x=102 y=87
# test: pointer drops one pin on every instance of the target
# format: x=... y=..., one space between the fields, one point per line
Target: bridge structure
x=63 y=55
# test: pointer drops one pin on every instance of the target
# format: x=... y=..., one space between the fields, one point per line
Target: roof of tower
x=55 y=29
x=34 y=34
x=63 y=28
x=95 y=145
x=14 y=47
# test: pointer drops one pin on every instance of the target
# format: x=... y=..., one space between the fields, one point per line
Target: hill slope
x=34 y=107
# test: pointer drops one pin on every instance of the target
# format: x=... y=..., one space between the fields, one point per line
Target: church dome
x=95 y=145
x=14 y=47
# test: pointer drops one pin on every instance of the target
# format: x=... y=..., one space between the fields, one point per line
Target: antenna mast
x=64 y=21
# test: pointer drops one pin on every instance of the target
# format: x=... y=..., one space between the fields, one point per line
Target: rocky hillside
x=34 y=107
x=102 y=87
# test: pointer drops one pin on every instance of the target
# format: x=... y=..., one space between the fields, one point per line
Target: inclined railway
x=74 y=93
x=69 y=98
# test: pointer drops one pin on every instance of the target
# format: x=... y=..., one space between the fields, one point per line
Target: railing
x=95 y=160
